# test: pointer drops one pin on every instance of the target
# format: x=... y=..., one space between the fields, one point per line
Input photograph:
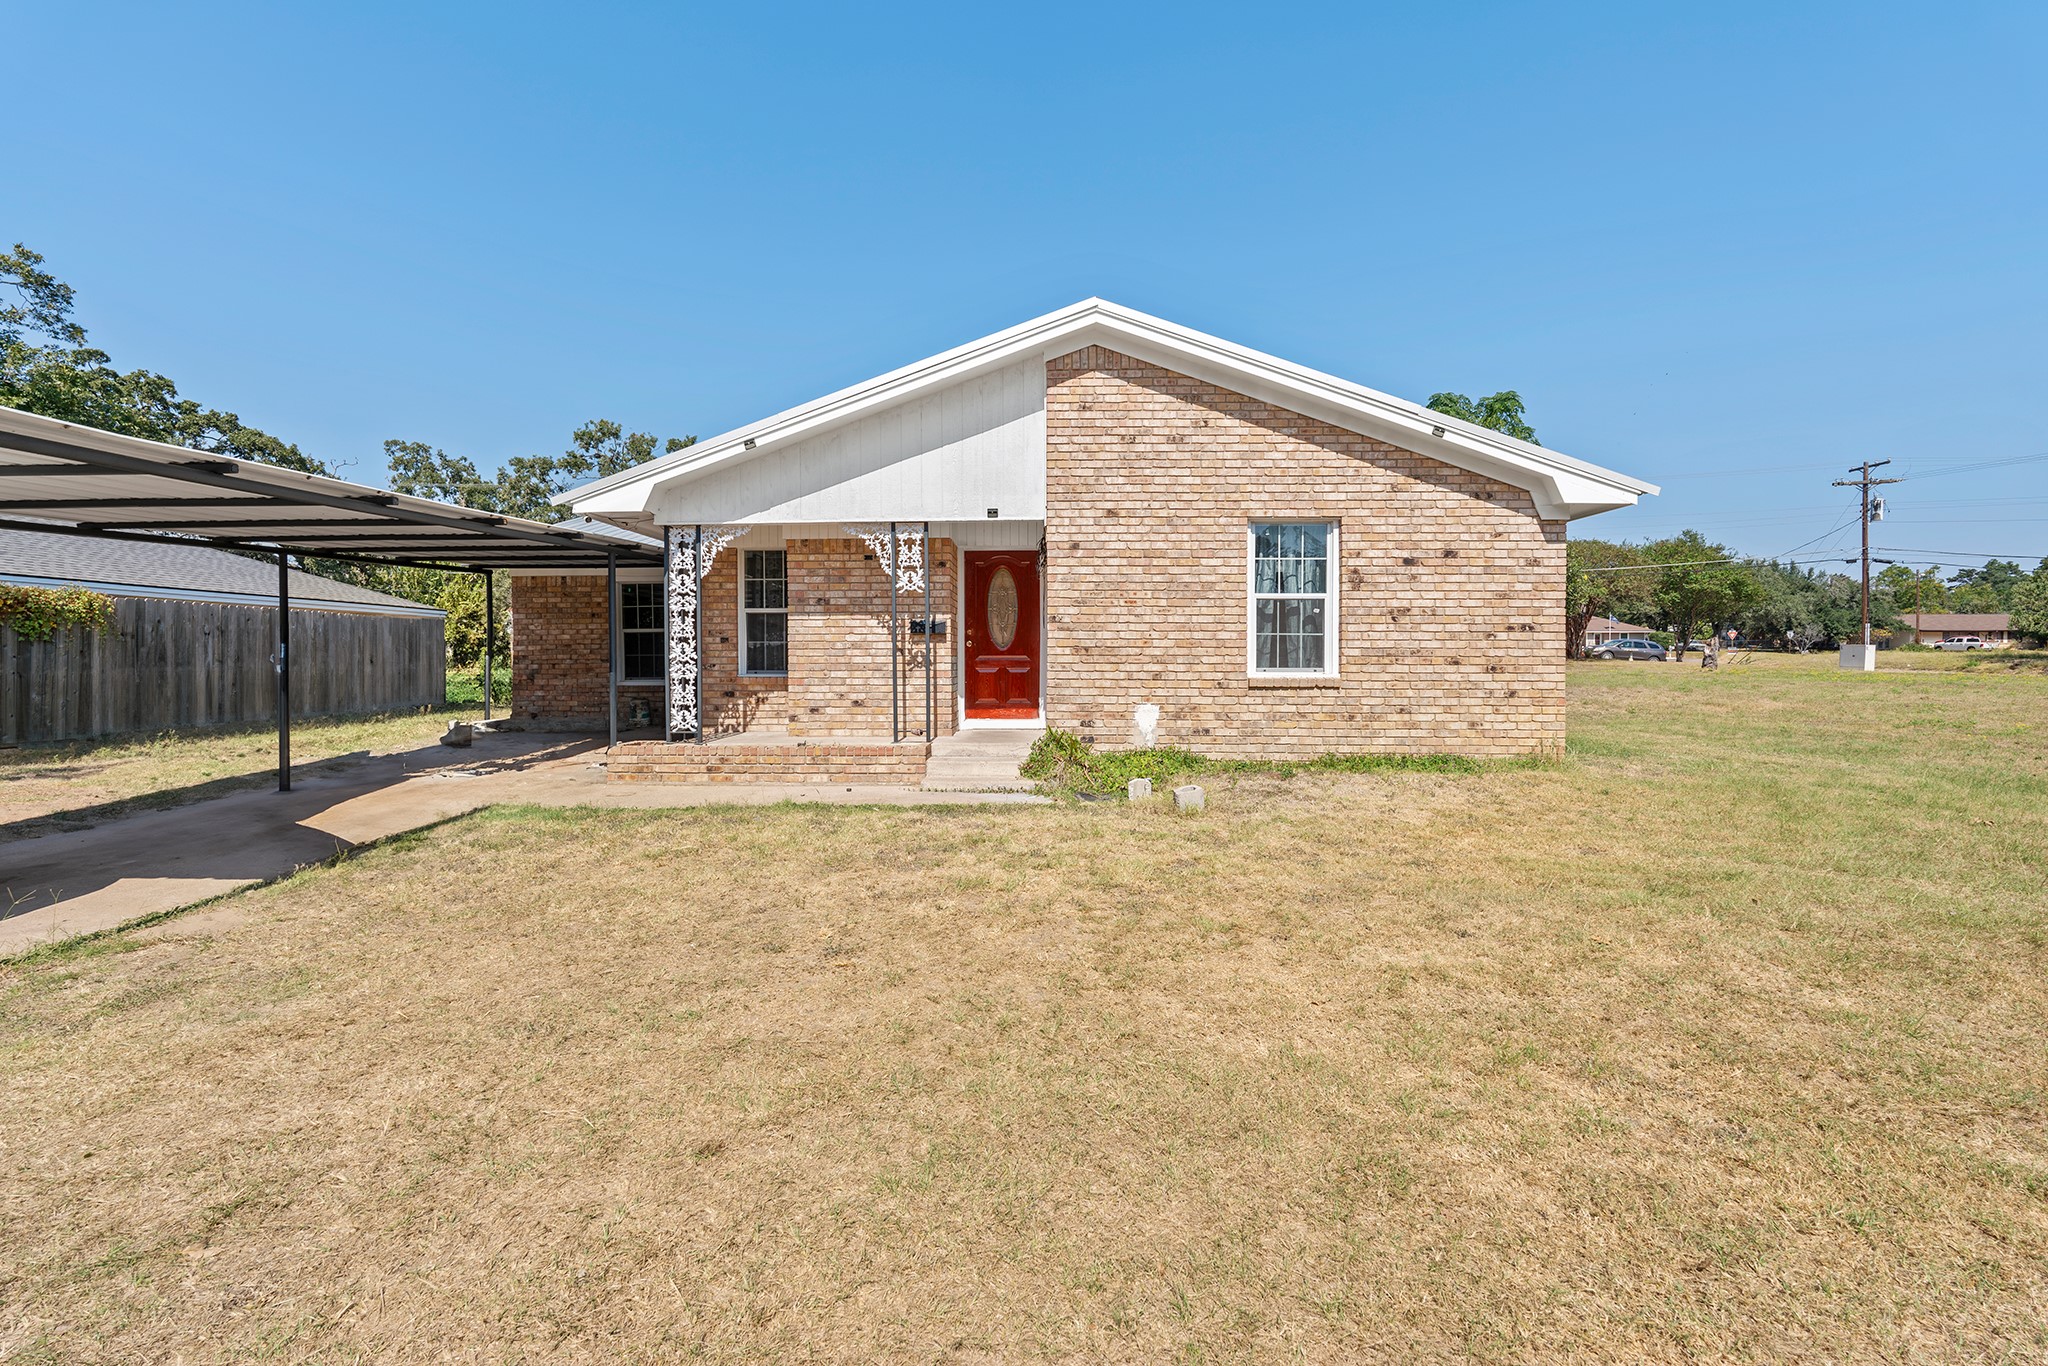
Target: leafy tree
x=1912 y=590
x=522 y=488
x=63 y=377
x=2030 y=606
x=1986 y=589
x=1501 y=412
x=41 y=302
x=1695 y=585
x=527 y=484
x=1600 y=579
x=1800 y=608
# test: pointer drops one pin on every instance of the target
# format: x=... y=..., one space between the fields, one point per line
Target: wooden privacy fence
x=172 y=663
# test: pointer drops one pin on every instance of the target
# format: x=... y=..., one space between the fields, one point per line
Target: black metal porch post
x=490 y=628
x=284 y=674
x=611 y=642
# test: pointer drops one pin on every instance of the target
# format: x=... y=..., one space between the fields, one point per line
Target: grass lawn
x=1725 y=1038
x=55 y=787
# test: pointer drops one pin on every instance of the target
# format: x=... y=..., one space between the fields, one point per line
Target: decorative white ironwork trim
x=905 y=559
x=691 y=551
x=683 y=595
x=716 y=539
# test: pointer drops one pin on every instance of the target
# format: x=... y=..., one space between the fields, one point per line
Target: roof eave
x=1563 y=487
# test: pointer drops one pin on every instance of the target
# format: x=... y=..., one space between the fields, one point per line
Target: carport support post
x=611 y=640
x=284 y=674
x=490 y=628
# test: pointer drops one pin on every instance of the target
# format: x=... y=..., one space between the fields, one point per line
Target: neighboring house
x=1931 y=628
x=1107 y=511
x=1600 y=630
x=193 y=639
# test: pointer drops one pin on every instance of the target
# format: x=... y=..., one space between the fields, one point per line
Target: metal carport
x=74 y=480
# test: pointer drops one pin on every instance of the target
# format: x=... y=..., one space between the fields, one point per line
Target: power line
x=1966 y=554
x=1974 y=463
x=1744 y=559
x=1984 y=465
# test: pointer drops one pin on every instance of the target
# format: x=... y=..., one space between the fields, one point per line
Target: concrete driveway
x=76 y=882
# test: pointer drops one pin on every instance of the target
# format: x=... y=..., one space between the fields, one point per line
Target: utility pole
x=1866 y=484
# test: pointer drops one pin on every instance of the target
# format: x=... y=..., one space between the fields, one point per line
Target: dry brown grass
x=49 y=787
x=1724 y=1039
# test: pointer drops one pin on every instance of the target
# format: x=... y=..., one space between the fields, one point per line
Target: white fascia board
x=1562 y=486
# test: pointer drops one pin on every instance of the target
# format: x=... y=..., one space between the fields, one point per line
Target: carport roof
x=74 y=480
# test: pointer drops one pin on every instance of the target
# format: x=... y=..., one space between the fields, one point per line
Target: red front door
x=1001 y=615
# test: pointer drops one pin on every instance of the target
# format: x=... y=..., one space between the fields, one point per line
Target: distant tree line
x=47 y=367
x=1690 y=586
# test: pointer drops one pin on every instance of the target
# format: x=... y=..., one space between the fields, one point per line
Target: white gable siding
x=948 y=455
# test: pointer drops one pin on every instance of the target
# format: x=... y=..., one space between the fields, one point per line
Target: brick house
x=1601 y=630
x=1091 y=513
x=1932 y=628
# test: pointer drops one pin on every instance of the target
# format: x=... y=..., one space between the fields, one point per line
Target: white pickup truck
x=1966 y=643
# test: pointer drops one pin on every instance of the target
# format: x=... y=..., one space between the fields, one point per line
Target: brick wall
x=838 y=681
x=839 y=641
x=1451 y=590
x=823 y=761
x=558 y=653
x=734 y=701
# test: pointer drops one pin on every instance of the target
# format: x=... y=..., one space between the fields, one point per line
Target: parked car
x=1630 y=648
x=1965 y=643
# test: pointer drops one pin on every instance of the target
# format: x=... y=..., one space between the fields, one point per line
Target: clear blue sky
x=1728 y=248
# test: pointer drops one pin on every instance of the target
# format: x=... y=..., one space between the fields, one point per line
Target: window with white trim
x=1292 y=603
x=641 y=648
x=764 y=612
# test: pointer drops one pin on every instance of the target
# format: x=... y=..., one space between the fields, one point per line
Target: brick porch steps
x=770 y=759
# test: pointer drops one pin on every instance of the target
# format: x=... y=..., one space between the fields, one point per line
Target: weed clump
x=1065 y=766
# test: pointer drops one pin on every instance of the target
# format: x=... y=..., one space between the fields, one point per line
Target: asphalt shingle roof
x=171 y=570
x=1960 y=621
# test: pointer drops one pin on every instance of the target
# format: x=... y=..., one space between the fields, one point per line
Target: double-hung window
x=1292 y=598
x=640 y=633
x=764 y=612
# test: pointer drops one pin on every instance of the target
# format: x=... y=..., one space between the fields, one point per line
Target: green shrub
x=39 y=613
x=466 y=687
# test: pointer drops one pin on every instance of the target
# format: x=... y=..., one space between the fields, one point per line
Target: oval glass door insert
x=1002 y=608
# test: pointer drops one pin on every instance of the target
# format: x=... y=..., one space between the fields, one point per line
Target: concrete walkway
x=75 y=882
x=981 y=760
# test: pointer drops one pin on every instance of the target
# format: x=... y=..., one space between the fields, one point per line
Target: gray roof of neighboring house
x=1960 y=621
x=168 y=570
